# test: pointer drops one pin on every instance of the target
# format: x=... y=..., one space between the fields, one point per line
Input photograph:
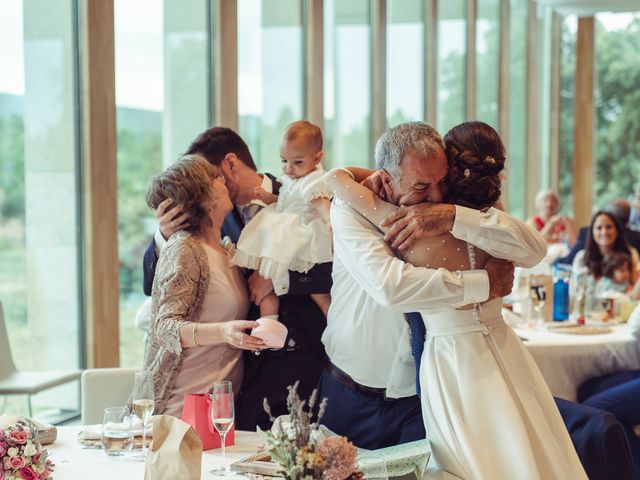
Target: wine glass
x=538 y=297
x=143 y=404
x=222 y=416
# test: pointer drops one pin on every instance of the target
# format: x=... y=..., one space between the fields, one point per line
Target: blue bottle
x=561 y=293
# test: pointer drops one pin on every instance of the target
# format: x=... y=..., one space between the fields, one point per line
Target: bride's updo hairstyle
x=476 y=156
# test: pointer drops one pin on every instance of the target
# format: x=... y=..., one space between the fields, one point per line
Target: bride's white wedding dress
x=488 y=412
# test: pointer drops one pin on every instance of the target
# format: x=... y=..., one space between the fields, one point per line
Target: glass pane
x=488 y=61
x=39 y=195
x=162 y=104
x=543 y=94
x=347 y=83
x=405 y=61
x=517 y=183
x=617 y=103
x=568 y=38
x=452 y=45
x=270 y=75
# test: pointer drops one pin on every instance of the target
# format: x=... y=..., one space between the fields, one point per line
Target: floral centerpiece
x=299 y=449
x=22 y=456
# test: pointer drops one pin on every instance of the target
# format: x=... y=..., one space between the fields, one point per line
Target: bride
x=487 y=410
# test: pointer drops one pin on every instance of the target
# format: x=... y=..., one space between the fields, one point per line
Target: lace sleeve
x=178 y=289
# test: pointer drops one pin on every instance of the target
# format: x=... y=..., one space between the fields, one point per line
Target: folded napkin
x=45 y=433
x=94 y=432
x=403 y=459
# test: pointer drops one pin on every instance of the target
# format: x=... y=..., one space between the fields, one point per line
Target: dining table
x=73 y=461
x=567 y=360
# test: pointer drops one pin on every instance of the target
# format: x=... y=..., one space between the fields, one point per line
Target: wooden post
x=583 y=123
x=100 y=184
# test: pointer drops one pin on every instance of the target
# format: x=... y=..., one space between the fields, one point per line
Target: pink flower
x=28 y=474
x=44 y=475
x=36 y=457
x=17 y=462
x=20 y=436
x=339 y=455
x=2 y=474
x=3 y=449
x=5 y=463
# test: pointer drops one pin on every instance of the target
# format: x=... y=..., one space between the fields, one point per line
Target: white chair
x=15 y=382
x=104 y=387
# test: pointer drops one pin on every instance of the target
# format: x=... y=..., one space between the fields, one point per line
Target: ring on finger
x=241 y=341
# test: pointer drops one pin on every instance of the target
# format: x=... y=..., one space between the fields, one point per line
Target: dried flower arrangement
x=297 y=449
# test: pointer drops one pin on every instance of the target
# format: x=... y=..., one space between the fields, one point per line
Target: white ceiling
x=590 y=7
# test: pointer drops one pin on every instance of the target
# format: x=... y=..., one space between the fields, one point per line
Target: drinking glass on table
x=222 y=416
x=117 y=434
x=143 y=404
x=373 y=467
x=538 y=295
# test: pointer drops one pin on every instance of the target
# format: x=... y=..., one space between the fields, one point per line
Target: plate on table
x=580 y=329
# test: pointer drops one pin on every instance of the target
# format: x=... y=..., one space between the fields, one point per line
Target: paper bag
x=196 y=411
x=176 y=451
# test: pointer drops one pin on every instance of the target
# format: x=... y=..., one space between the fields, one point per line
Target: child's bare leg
x=323 y=300
x=270 y=305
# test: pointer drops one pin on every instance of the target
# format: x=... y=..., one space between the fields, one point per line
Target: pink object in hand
x=271 y=331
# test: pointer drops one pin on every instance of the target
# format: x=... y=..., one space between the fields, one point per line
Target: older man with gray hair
x=370 y=378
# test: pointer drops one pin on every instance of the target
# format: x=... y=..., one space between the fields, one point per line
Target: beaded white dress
x=488 y=412
x=289 y=234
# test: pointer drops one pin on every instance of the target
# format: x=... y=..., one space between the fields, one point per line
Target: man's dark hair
x=621 y=209
x=217 y=142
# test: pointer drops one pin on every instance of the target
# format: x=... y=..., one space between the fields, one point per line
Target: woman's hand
x=171 y=219
x=233 y=333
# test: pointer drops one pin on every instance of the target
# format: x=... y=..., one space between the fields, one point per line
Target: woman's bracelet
x=195 y=335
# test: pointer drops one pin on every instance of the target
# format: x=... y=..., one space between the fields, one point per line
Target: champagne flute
x=538 y=297
x=143 y=404
x=222 y=416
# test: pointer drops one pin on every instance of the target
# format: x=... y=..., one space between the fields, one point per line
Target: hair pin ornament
x=467 y=172
x=489 y=159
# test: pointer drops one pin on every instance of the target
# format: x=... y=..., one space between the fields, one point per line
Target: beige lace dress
x=193 y=283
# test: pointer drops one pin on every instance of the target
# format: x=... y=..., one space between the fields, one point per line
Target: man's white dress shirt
x=367 y=335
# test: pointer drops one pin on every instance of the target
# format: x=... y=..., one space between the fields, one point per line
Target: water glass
x=373 y=468
x=117 y=432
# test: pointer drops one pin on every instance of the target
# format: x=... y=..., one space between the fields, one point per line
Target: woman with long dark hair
x=604 y=237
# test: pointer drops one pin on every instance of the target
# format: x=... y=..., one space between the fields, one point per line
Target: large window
x=516 y=149
x=162 y=103
x=405 y=61
x=568 y=34
x=347 y=82
x=270 y=75
x=617 y=103
x=452 y=46
x=487 y=61
x=39 y=207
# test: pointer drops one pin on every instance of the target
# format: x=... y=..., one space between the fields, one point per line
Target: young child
x=616 y=273
x=292 y=232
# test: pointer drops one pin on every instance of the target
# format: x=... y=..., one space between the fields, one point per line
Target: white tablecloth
x=73 y=461
x=566 y=361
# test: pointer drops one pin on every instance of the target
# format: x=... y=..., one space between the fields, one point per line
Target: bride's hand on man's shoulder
x=408 y=224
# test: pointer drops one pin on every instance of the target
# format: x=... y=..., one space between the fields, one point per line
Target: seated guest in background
x=302 y=358
x=603 y=238
x=198 y=295
x=621 y=209
x=553 y=227
x=634 y=220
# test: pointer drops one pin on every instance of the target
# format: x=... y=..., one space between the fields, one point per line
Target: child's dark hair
x=614 y=261
x=476 y=157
